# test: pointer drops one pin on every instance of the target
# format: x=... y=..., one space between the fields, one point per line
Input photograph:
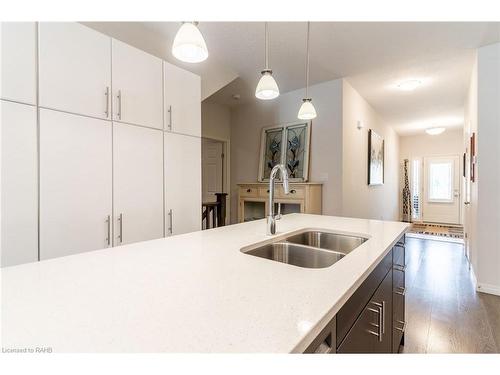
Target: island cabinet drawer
x=249 y=192
x=352 y=309
x=324 y=343
x=372 y=331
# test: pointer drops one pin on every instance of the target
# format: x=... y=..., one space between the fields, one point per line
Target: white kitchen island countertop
x=189 y=293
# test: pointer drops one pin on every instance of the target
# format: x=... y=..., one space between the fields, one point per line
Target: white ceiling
x=373 y=56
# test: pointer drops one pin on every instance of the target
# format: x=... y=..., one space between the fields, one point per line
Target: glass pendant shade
x=267 y=87
x=307 y=110
x=189 y=45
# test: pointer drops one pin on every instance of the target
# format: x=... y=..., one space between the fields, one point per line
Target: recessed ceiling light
x=409 y=85
x=434 y=131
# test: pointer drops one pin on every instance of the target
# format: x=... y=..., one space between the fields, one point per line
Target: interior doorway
x=215 y=172
x=441 y=190
x=212 y=169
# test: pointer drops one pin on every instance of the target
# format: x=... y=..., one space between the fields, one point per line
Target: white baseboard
x=488 y=288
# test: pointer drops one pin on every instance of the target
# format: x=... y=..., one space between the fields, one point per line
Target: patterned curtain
x=406 y=195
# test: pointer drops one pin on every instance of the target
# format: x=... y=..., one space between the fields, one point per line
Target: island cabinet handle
x=399 y=267
x=400 y=290
x=381 y=325
x=325 y=347
x=403 y=328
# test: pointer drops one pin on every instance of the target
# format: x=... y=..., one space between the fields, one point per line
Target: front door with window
x=441 y=188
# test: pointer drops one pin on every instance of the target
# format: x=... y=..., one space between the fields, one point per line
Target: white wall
x=359 y=199
x=470 y=211
x=247 y=120
x=488 y=169
x=215 y=121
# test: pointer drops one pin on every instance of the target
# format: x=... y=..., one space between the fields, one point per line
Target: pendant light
x=307 y=110
x=189 y=45
x=267 y=88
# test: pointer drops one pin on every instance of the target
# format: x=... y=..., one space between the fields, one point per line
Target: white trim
x=488 y=288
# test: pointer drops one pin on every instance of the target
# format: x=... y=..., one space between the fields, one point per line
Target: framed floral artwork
x=286 y=144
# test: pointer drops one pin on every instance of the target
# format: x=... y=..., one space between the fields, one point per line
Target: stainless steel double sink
x=308 y=248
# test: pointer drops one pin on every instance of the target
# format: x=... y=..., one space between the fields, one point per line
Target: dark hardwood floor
x=444 y=312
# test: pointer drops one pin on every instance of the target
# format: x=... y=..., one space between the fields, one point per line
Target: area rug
x=438 y=230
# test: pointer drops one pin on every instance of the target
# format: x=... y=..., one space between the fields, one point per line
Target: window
x=440 y=182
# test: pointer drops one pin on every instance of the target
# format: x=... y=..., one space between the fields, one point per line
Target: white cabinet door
x=138 y=183
x=75 y=184
x=182 y=101
x=18 y=62
x=137 y=86
x=75 y=69
x=19 y=184
x=182 y=184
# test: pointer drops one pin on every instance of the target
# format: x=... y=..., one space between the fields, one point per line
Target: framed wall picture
x=375 y=158
x=286 y=144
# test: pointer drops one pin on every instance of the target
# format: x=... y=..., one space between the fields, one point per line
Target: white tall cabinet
x=182 y=183
x=75 y=184
x=75 y=69
x=107 y=153
x=138 y=183
x=19 y=224
x=137 y=86
x=182 y=100
x=18 y=62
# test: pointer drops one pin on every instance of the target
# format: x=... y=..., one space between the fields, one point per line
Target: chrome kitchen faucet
x=271 y=218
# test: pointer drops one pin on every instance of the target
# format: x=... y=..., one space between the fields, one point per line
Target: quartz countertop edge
x=195 y=292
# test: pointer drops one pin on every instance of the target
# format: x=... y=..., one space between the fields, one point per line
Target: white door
x=75 y=184
x=182 y=101
x=138 y=183
x=137 y=86
x=182 y=183
x=75 y=69
x=19 y=184
x=18 y=61
x=212 y=167
x=441 y=190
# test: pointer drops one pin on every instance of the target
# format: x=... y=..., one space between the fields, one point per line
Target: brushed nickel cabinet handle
x=379 y=326
x=400 y=290
x=399 y=267
x=120 y=235
x=170 y=221
x=108 y=222
x=106 y=95
x=383 y=317
x=170 y=117
x=119 y=97
x=403 y=328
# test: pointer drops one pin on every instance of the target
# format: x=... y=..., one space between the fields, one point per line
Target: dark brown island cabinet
x=373 y=319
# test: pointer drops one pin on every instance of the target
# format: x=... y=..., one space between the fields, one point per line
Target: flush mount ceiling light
x=409 y=85
x=434 y=131
x=267 y=88
x=189 y=45
x=307 y=110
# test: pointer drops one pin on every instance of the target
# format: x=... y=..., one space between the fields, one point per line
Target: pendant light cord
x=267 y=46
x=307 y=61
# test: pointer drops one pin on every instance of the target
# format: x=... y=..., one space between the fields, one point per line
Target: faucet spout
x=271 y=218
